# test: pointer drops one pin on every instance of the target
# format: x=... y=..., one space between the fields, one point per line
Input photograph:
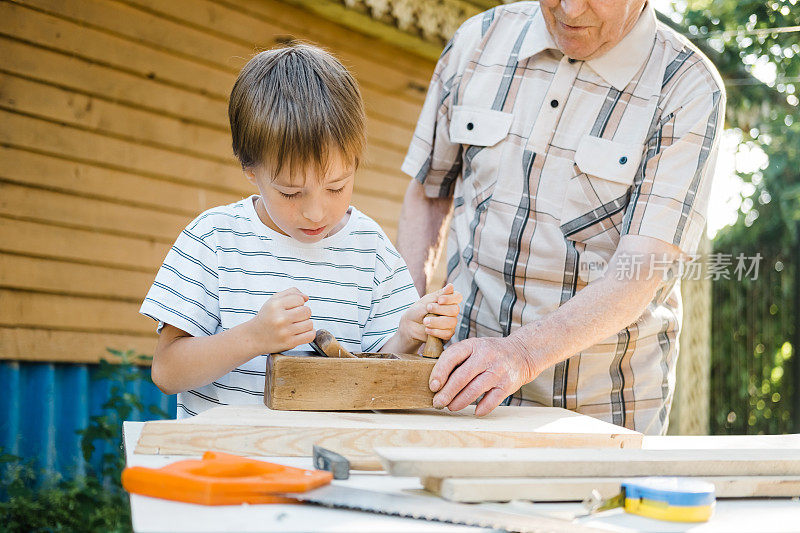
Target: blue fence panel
x=45 y=404
x=10 y=423
x=72 y=391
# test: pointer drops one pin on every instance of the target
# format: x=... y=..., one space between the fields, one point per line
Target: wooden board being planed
x=474 y=490
x=258 y=431
x=554 y=462
x=341 y=384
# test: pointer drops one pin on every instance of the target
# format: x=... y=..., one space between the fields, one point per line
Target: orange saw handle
x=222 y=479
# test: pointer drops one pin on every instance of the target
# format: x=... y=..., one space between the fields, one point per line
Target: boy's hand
x=444 y=303
x=284 y=322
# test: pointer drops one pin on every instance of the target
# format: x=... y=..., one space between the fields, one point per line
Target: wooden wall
x=113 y=136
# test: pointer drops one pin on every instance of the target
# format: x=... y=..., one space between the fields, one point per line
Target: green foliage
x=119 y=407
x=753 y=321
x=751 y=359
x=31 y=500
x=33 y=504
x=765 y=114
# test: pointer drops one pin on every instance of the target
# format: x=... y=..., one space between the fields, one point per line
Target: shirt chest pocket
x=480 y=132
x=598 y=193
x=476 y=126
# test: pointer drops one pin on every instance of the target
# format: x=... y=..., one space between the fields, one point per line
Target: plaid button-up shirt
x=549 y=162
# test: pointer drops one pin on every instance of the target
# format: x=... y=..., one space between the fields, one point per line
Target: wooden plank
x=258 y=33
x=475 y=490
x=366 y=24
x=94 y=112
x=18 y=94
x=324 y=384
x=310 y=26
x=63 y=141
x=722 y=442
x=50 y=311
x=58 y=34
x=255 y=430
x=380 y=183
x=140 y=93
x=61 y=105
x=387 y=159
x=554 y=462
x=149 y=29
x=35 y=344
x=39 y=205
x=34 y=238
x=385 y=212
x=61 y=277
x=76 y=73
x=22 y=202
x=106 y=157
x=268 y=24
x=43 y=171
x=24 y=167
x=158 y=32
x=37 y=134
x=105 y=48
x=389 y=132
x=99 y=215
x=576 y=489
x=213 y=78
x=44 y=240
x=209 y=48
x=379 y=207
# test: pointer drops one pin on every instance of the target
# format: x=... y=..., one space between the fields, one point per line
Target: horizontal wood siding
x=114 y=135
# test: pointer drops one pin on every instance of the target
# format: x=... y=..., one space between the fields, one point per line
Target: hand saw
x=225 y=479
x=436 y=509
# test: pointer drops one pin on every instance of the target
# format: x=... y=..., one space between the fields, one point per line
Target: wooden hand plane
x=342 y=381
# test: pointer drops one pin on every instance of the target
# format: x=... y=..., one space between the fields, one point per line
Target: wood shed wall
x=114 y=135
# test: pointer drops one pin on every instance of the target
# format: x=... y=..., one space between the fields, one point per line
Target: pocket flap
x=609 y=160
x=477 y=126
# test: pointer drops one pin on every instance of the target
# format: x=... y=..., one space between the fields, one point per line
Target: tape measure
x=663 y=498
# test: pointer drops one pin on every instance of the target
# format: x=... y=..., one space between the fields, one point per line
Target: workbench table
x=153 y=515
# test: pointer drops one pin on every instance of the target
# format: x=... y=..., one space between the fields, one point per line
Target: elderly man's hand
x=496 y=366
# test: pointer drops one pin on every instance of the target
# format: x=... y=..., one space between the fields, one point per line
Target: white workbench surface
x=151 y=515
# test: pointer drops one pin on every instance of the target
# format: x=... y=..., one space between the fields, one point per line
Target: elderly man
x=568 y=138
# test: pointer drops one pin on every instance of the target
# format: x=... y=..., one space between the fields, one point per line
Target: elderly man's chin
x=578 y=43
x=586 y=29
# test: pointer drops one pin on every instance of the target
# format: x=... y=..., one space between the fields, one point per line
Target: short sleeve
x=185 y=291
x=393 y=292
x=671 y=194
x=432 y=158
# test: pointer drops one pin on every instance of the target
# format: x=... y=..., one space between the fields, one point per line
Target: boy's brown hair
x=292 y=106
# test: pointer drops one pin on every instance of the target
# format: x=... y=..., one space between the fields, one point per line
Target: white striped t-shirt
x=227 y=263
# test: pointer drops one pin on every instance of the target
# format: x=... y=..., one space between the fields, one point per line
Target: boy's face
x=305 y=206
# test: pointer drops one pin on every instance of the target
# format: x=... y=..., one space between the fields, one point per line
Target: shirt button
x=553 y=103
x=470 y=125
x=623 y=160
x=571 y=60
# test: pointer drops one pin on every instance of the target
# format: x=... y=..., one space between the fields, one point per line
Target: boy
x=260 y=275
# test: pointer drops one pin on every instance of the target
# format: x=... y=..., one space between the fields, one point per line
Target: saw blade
x=430 y=508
